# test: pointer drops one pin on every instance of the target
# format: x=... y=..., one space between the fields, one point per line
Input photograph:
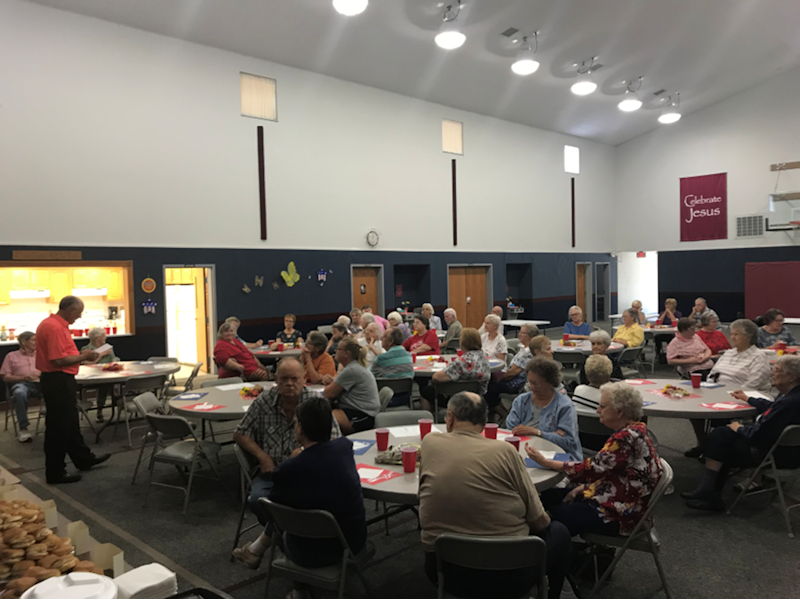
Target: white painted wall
x=114 y=136
x=742 y=136
x=637 y=279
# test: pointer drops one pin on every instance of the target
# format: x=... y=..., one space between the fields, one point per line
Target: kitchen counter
x=83 y=337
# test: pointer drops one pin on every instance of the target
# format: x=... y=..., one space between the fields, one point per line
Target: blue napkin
x=191 y=396
x=363 y=449
x=648 y=402
x=561 y=457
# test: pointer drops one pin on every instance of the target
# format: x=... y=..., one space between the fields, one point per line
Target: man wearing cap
x=58 y=359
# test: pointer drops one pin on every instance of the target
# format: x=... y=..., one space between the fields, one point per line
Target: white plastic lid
x=74 y=585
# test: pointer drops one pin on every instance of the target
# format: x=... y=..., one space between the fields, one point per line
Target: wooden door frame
x=588 y=289
x=380 y=309
x=607 y=286
x=489 y=281
x=211 y=311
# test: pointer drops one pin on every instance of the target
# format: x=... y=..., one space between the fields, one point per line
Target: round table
x=655 y=330
x=584 y=347
x=89 y=375
x=424 y=368
x=404 y=489
x=265 y=352
x=684 y=408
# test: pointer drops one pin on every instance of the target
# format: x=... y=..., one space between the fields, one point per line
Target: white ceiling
x=705 y=49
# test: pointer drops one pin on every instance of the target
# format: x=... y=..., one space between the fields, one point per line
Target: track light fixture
x=584 y=86
x=631 y=100
x=450 y=36
x=525 y=63
x=671 y=114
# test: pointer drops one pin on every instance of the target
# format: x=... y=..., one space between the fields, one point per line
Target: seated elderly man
x=394 y=363
x=234 y=359
x=267 y=434
x=700 y=310
x=368 y=319
x=601 y=341
x=22 y=377
x=687 y=351
x=513 y=380
x=498 y=312
x=629 y=333
x=472 y=485
x=774 y=331
x=97 y=339
x=435 y=322
x=742 y=446
x=576 y=327
x=613 y=486
x=317 y=362
x=454 y=326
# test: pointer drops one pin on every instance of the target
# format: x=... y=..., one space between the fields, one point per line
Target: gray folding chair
x=218 y=382
x=145 y=404
x=11 y=411
x=165 y=359
x=491 y=554
x=452 y=346
x=571 y=364
x=784 y=478
x=146 y=383
x=185 y=454
x=327 y=330
x=176 y=390
x=630 y=362
x=400 y=418
x=385 y=396
x=449 y=388
x=247 y=471
x=643 y=538
x=313 y=524
x=403 y=385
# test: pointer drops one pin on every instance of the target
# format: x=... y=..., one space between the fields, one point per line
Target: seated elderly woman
x=424 y=341
x=97 y=338
x=513 y=380
x=576 y=327
x=774 y=331
x=471 y=366
x=712 y=336
x=355 y=318
x=289 y=335
x=688 y=352
x=636 y=307
x=372 y=342
x=395 y=320
x=378 y=319
x=237 y=323
x=629 y=333
x=601 y=341
x=615 y=485
x=368 y=319
x=597 y=369
x=671 y=313
x=316 y=361
x=494 y=344
x=234 y=359
x=338 y=332
x=354 y=389
x=742 y=446
x=436 y=322
x=742 y=367
x=544 y=412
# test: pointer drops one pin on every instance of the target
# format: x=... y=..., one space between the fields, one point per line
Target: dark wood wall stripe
x=455 y=204
x=262 y=185
x=573 y=211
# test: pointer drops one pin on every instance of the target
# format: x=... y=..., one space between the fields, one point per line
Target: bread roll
x=47 y=561
x=23 y=542
x=36 y=551
x=12 y=556
x=18 y=570
x=63 y=549
x=66 y=563
x=52 y=542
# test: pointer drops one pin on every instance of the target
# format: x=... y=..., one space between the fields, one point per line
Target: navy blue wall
x=716 y=275
x=552 y=278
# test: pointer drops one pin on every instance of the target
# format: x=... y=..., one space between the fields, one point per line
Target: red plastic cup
x=280 y=346
x=565 y=337
x=460 y=352
x=696 y=379
x=108 y=330
x=513 y=440
x=409 y=459
x=114 y=330
x=424 y=427
x=490 y=431
x=414 y=357
x=382 y=437
x=658 y=322
x=780 y=346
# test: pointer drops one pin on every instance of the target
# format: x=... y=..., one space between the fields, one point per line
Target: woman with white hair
x=601 y=341
x=436 y=322
x=494 y=344
x=615 y=484
x=97 y=339
x=372 y=342
x=636 y=307
x=395 y=320
x=575 y=327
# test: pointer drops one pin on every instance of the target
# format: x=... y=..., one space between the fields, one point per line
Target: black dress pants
x=63 y=433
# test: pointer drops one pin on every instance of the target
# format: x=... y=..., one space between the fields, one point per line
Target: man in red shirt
x=58 y=359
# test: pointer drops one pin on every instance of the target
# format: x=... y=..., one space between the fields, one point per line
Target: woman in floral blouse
x=472 y=365
x=614 y=485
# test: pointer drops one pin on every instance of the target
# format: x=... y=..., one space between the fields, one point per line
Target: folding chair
x=643 y=538
x=790 y=437
x=185 y=453
x=247 y=471
x=571 y=362
x=165 y=359
x=176 y=390
x=11 y=411
x=218 y=382
x=491 y=554
x=631 y=356
x=403 y=385
x=147 y=403
x=314 y=524
x=147 y=383
x=449 y=388
x=452 y=346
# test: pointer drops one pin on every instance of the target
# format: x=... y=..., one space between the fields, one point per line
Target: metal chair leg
x=189 y=485
x=139 y=460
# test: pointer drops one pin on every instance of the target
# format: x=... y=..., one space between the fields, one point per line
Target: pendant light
x=631 y=100
x=450 y=36
x=671 y=114
x=525 y=63
x=350 y=8
x=585 y=85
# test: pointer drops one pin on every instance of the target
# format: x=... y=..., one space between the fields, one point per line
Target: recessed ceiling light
x=350 y=8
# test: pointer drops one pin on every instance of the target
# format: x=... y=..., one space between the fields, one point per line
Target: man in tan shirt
x=472 y=485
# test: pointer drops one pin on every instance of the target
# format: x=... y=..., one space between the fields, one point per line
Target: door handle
x=469 y=298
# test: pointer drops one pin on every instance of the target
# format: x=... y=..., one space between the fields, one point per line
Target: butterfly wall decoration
x=290 y=276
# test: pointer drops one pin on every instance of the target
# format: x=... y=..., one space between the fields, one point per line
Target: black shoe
x=693 y=495
x=100 y=418
x=695 y=452
x=710 y=504
x=95 y=461
x=65 y=478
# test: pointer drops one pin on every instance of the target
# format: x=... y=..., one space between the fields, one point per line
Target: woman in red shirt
x=713 y=337
x=424 y=341
x=234 y=359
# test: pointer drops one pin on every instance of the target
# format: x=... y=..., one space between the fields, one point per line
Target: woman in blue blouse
x=575 y=327
x=545 y=412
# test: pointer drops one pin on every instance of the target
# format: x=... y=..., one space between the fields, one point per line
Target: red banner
x=704 y=207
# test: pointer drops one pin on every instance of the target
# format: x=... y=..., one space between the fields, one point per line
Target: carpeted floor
x=747 y=554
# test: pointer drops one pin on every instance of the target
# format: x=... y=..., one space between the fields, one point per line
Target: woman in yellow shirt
x=629 y=333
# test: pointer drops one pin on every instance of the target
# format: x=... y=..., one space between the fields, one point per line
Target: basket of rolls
x=30 y=552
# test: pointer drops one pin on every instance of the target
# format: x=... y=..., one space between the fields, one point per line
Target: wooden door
x=200 y=284
x=580 y=286
x=365 y=288
x=467 y=287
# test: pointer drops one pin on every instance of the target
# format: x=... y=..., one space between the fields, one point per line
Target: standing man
x=58 y=359
x=20 y=373
x=454 y=326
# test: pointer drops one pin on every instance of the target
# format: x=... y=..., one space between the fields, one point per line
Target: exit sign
x=640 y=255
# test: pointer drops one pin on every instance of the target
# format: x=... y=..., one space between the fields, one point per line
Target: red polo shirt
x=53 y=341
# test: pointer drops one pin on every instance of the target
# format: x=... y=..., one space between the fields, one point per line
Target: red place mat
x=663 y=395
x=203 y=405
x=385 y=475
x=725 y=405
x=639 y=382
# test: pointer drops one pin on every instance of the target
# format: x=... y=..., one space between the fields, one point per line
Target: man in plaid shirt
x=267 y=433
